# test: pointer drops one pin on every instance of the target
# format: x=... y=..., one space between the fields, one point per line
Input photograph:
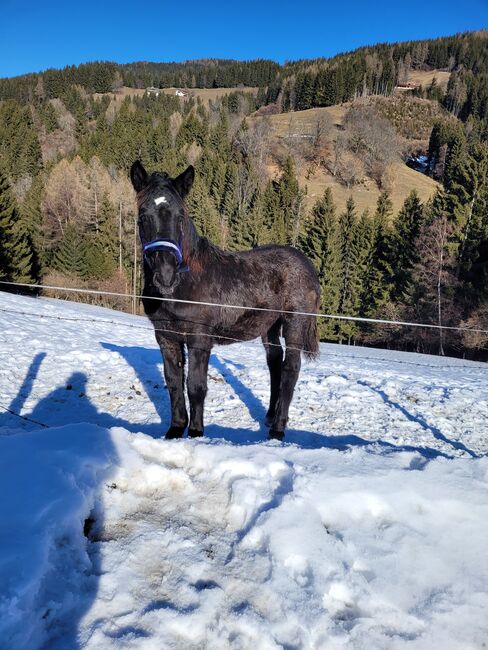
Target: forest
x=67 y=210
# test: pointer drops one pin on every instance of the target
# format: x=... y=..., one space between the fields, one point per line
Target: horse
x=181 y=268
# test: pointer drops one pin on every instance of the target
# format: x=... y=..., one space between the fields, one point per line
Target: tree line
x=295 y=85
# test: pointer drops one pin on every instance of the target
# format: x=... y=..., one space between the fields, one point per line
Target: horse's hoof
x=276 y=435
x=193 y=433
x=174 y=432
x=268 y=420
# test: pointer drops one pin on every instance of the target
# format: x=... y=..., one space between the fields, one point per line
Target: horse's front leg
x=174 y=366
x=197 y=387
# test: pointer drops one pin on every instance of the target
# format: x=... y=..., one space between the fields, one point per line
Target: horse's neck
x=200 y=248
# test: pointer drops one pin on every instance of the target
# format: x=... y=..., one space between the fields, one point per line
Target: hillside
x=205 y=94
x=365 y=528
x=291 y=128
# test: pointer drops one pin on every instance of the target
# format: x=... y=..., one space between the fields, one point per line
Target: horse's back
x=290 y=270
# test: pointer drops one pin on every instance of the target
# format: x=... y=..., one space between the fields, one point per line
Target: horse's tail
x=311 y=338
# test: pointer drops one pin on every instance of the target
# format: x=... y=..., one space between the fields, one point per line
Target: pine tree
x=101 y=247
x=16 y=251
x=285 y=228
x=315 y=240
x=228 y=206
x=343 y=281
x=203 y=212
x=8 y=216
x=467 y=200
x=70 y=256
x=404 y=252
x=31 y=217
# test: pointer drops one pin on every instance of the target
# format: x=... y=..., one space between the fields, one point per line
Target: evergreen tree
x=228 y=206
x=315 y=241
x=467 y=201
x=203 y=212
x=404 y=252
x=343 y=282
x=373 y=291
x=16 y=251
x=101 y=248
x=286 y=228
x=70 y=256
x=31 y=216
x=8 y=216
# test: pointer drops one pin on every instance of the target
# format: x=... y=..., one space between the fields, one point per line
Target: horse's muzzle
x=165 y=287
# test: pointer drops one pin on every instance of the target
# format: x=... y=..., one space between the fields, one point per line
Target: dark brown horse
x=180 y=265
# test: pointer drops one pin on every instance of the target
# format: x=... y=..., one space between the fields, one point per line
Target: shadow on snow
x=66 y=590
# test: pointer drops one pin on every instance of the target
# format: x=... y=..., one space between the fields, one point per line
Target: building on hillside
x=407 y=85
x=181 y=93
x=153 y=91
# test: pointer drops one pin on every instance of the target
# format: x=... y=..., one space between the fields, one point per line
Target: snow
x=366 y=528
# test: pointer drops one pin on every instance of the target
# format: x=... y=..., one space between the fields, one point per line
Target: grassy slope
x=365 y=194
x=206 y=94
x=424 y=77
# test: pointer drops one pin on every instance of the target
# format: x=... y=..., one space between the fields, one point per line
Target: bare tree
x=373 y=139
x=253 y=140
x=434 y=276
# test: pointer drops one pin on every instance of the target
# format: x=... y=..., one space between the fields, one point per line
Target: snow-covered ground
x=366 y=528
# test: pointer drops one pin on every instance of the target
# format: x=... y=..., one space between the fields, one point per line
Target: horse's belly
x=250 y=326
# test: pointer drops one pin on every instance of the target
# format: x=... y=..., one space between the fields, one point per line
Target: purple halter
x=166 y=245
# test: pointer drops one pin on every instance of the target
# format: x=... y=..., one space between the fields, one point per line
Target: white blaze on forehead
x=160 y=199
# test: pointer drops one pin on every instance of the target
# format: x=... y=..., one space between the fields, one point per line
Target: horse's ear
x=184 y=181
x=138 y=176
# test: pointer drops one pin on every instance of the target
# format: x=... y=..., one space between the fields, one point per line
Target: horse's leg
x=197 y=387
x=274 y=358
x=290 y=370
x=174 y=364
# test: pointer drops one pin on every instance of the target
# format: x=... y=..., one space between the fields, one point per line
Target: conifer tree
x=252 y=223
x=284 y=228
x=404 y=252
x=203 y=212
x=228 y=206
x=101 y=247
x=8 y=216
x=315 y=241
x=70 y=256
x=343 y=281
x=467 y=201
x=31 y=217
x=16 y=250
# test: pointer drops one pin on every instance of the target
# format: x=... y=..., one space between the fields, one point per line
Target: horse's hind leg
x=274 y=358
x=290 y=369
x=197 y=387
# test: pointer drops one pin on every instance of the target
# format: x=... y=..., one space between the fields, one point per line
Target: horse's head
x=161 y=222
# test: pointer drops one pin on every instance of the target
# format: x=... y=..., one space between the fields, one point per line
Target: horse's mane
x=197 y=250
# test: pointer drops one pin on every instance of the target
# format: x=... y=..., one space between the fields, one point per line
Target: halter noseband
x=166 y=245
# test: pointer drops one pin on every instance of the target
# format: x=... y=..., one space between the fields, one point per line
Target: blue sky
x=38 y=35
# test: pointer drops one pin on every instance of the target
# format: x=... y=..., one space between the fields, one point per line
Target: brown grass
x=208 y=94
x=205 y=94
x=424 y=77
x=364 y=194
